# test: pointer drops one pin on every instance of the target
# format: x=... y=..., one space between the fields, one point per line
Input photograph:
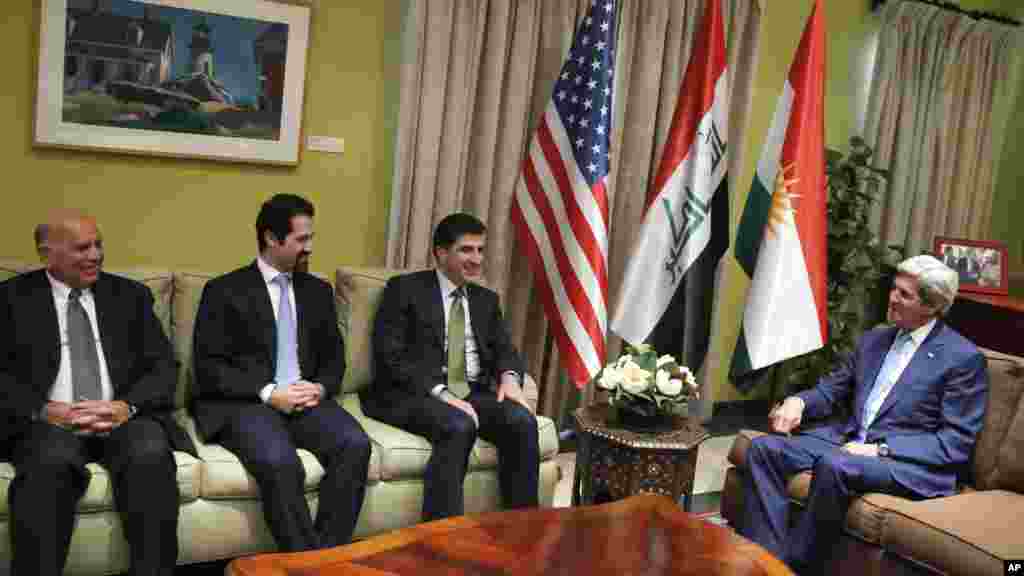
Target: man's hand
x=97 y=416
x=466 y=407
x=786 y=416
x=295 y=397
x=58 y=414
x=509 y=387
x=861 y=449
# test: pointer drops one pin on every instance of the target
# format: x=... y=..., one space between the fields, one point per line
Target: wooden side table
x=614 y=463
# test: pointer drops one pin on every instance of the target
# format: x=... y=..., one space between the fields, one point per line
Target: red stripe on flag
x=805 y=145
x=571 y=283
x=577 y=221
x=570 y=357
x=696 y=95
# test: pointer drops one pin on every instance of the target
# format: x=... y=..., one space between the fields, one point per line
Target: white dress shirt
x=269 y=273
x=472 y=354
x=62 y=390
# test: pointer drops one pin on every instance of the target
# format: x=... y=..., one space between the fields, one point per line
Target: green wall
x=200 y=214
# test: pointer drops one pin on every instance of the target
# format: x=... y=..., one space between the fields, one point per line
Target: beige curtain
x=475 y=84
x=941 y=94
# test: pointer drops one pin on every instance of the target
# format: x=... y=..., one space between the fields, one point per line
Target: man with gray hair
x=915 y=392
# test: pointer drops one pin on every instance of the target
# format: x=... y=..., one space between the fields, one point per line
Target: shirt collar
x=447 y=286
x=921 y=332
x=266 y=270
x=62 y=290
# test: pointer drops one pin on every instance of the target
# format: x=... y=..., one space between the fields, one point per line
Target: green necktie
x=457 y=383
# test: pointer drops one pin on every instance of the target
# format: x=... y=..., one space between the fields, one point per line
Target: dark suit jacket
x=931 y=417
x=138 y=355
x=409 y=333
x=235 y=344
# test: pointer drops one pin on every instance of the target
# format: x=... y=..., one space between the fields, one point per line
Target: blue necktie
x=287 y=366
x=886 y=379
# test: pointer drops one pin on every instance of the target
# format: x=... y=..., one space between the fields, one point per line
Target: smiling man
x=269 y=362
x=916 y=394
x=86 y=374
x=446 y=370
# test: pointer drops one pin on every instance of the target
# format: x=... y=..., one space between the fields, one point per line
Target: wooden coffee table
x=644 y=534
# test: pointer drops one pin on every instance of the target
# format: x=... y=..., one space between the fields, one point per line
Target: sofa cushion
x=188 y=288
x=99 y=495
x=404 y=455
x=971 y=533
x=160 y=284
x=358 y=292
x=999 y=453
x=224 y=477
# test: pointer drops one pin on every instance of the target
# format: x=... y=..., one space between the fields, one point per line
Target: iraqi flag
x=668 y=290
x=781 y=242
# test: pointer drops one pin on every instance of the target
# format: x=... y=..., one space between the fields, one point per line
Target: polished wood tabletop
x=641 y=535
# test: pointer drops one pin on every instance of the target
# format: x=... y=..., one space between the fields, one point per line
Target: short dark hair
x=276 y=216
x=455 y=226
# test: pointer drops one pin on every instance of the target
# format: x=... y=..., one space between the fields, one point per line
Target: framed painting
x=981 y=264
x=217 y=79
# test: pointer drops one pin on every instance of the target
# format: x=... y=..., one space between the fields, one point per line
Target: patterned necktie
x=457 y=383
x=287 y=365
x=85 y=361
x=887 y=377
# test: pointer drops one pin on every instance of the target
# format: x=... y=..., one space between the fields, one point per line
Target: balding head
x=74 y=248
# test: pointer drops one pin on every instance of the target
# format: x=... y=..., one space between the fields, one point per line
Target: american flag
x=560 y=209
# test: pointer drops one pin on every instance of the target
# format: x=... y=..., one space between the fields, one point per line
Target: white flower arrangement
x=642 y=377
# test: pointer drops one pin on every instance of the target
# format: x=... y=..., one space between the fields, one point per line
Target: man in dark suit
x=917 y=396
x=446 y=370
x=268 y=363
x=86 y=374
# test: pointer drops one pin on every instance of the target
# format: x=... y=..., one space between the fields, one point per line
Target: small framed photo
x=981 y=264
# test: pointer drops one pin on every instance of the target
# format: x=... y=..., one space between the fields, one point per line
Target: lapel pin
x=931 y=355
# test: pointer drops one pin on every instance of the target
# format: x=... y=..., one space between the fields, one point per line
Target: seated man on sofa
x=916 y=391
x=269 y=362
x=446 y=370
x=86 y=373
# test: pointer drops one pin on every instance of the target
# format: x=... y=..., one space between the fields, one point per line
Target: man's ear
x=269 y=238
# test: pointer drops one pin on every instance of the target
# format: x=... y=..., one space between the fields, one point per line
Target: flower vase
x=643 y=417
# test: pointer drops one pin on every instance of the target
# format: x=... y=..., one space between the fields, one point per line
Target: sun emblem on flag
x=782 y=210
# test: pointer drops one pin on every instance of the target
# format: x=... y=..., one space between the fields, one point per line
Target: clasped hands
x=296 y=396
x=785 y=417
x=88 y=417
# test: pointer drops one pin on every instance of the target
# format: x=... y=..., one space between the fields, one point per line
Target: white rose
x=667 y=385
x=666 y=359
x=634 y=378
x=610 y=378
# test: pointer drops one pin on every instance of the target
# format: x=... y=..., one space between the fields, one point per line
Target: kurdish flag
x=781 y=242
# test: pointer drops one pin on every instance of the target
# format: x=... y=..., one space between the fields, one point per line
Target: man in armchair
x=917 y=392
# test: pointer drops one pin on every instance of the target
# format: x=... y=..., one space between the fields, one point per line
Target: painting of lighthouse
x=217 y=68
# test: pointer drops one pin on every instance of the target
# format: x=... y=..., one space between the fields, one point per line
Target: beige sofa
x=220 y=506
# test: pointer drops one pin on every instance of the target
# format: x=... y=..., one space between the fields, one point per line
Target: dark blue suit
x=929 y=420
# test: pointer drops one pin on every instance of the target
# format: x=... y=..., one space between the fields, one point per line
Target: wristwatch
x=883 y=450
x=132 y=410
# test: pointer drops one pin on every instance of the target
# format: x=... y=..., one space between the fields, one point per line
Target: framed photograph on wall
x=218 y=79
x=981 y=264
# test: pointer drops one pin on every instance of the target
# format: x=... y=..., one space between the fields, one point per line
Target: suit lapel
x=302 y=335
x=918 y=364
x=261 y=306
x=105 y=305
x=435 y=306
x=877 y=357
x=47 y=331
